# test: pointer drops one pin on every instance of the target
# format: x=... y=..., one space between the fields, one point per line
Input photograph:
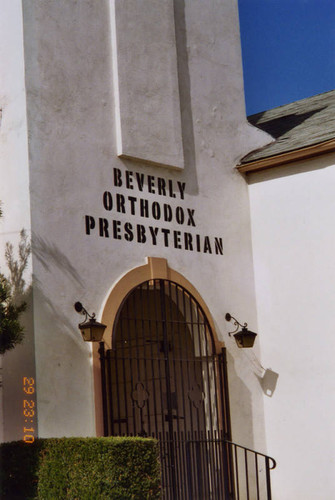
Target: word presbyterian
x=155 y=235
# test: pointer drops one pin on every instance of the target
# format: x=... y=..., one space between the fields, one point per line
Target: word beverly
x=135 y=207
x=155 y=185
x=141 y=234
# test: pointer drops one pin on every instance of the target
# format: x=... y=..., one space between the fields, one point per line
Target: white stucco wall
x=292 y=211
x=14 y=186
x=72 y=157
x=15 y=203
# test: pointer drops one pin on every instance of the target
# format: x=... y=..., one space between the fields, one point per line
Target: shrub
x=80 y=469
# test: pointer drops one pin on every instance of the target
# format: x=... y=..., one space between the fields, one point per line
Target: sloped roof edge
x=290 y=157
x=301 y=130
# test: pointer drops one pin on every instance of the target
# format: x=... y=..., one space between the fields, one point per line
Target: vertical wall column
x=148 y=119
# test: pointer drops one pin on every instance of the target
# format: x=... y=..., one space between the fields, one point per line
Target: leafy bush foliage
x=80 y=469
x=11 y=331
x=12 y=292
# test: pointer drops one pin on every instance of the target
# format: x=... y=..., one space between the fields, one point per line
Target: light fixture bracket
x=91 y=330
x=244 y=338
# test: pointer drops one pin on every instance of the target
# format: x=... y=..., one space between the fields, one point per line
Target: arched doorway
x=162 y=377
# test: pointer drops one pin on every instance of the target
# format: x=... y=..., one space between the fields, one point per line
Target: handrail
x=241 y=484
x=274 y=463
x=217 y=468
x=208 y=440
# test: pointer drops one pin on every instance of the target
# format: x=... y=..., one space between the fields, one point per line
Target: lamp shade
x=92 y=330
x=245 y=338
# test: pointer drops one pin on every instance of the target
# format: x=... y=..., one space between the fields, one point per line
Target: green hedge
x=80 y=469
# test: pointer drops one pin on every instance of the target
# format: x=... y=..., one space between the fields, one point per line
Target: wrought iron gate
x=163 y=378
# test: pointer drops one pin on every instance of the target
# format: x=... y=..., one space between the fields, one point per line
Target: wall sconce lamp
x=91 y=330
x=244 y=338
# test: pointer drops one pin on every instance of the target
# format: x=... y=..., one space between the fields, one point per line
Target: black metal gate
x=163 y=378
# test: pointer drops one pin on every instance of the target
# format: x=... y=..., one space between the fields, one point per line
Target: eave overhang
x=288 y=157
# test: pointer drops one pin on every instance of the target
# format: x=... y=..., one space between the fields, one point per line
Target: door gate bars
x=163 y=378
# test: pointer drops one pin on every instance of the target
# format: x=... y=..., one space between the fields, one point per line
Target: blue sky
x=288 y=50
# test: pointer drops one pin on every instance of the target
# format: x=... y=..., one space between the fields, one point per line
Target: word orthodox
x=145 y=208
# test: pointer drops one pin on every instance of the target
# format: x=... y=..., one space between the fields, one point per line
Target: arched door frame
x=155 y=268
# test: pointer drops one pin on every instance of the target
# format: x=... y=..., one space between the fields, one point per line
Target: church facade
x=122 y=126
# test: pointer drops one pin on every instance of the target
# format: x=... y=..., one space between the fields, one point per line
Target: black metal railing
x=164 y=378
x=203 y=467
x=250 y=474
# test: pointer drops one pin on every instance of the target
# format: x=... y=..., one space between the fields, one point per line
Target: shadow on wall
x=269 y=382
x=187 y=127
x=54 y=260
x=265 y=376
x=240 y=407
x=185 y=95
x=59 y=349
x=49 y=254
x=52 y=321
x=241 y=398
x=63 y=362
